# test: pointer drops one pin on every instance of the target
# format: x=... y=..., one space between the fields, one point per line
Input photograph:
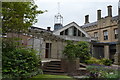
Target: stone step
x=53 y=68
x=53 y=71
x=52 y=63
x=56 y=61
x=82 y=69
x=82 y=65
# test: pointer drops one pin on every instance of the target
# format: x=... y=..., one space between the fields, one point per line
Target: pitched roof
x=41 y=29
x=56 y=32
x=115 y=18
x=89 y=24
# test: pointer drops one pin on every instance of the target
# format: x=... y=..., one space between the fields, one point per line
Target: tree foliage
x=18 y=16
x=77 y=50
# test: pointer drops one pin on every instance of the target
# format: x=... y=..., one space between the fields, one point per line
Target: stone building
x=105 y=29
x=103 y=34
x=50 y=44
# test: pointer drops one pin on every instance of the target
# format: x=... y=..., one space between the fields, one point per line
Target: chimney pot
x=48 y=28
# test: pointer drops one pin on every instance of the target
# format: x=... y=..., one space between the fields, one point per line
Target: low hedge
x=102 y=61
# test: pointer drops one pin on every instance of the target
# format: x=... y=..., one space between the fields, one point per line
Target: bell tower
x=58 y=19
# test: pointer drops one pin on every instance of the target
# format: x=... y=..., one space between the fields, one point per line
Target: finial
x=58 y=7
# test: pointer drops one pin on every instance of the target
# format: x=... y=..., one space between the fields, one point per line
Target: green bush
x=19 y=62
x=102 y=61
x=106 y=62
x=100 y=71
x=93 y=60
x=77 y=50
x=69 y=50
x=83 y=51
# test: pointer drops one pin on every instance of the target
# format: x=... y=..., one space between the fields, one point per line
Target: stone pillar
x=106 y=51
x=117 y=55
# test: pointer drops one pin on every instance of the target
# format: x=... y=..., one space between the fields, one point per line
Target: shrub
x=93 y=60
x=83 y=51
x=69 y=50
x=102 y=61
x=106 y=62
x=77 y=50
x=19 y=62
x=100 y=71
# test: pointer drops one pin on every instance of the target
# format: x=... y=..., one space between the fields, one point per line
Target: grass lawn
x=51 y=77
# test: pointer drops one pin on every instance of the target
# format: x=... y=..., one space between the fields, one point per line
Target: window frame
x=96 y=35
x=115 y=33
x=105 y=34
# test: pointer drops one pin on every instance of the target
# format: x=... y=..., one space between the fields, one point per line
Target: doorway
x=48 y=50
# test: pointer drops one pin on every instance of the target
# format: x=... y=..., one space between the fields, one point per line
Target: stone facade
x=105 y=29
x=50 y=44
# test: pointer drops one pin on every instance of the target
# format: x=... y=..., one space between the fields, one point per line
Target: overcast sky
x=72 y=10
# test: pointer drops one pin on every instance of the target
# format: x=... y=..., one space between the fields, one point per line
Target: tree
x=18 y=16
x=83 y=51
x=69 y=50
x=77 y=50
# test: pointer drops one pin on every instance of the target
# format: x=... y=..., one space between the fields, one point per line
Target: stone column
x=106 y=51
x=117 y=55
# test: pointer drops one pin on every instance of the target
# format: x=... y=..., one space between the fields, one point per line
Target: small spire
x=58 y=19
x=58 y=7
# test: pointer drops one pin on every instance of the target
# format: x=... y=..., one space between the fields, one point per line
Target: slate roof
x=115 y=18
x=89 y=24
x=41 y=29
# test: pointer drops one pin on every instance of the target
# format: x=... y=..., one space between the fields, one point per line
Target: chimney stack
x=98 y=14
x=86 y=19
x=48 y=28
x=109 y=10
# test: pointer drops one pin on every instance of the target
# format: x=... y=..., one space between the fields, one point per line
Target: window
x=79 y=33
x=61 y=33
x=75 y=30
x=66 y=32
x=115 y=33
x=105 y=34
x=96 y=35
x=83 y=35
